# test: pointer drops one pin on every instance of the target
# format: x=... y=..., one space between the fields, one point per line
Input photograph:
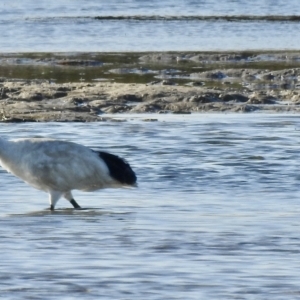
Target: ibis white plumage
x=58 y=167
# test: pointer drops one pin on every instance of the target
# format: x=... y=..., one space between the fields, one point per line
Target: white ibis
x=58 y=167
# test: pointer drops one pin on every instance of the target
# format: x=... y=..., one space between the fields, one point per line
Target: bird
x=57 y=167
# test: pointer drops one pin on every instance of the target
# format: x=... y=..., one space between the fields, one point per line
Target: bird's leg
x=75 y=204
x=53 y=198
x=69 y=197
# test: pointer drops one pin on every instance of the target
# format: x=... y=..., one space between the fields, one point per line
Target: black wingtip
x=119 y=169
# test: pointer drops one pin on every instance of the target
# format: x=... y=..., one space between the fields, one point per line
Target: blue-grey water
x=27 y=25
x=215 y=216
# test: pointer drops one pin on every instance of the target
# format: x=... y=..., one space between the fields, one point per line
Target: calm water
x=216 y=214
x=27 y=25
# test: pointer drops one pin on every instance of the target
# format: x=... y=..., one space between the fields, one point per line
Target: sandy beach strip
x=85 y=87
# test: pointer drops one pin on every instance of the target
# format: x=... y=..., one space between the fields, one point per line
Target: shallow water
x=216 y=214
x=30 y=26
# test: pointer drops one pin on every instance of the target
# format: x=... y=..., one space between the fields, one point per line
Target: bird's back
x=57 y=165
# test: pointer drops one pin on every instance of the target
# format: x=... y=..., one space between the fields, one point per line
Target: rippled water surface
x=28 y=25
x=215 y=216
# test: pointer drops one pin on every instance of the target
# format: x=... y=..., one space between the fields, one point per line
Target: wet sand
x=85 y=87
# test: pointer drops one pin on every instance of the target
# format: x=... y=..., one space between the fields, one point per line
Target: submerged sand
x=146 y=83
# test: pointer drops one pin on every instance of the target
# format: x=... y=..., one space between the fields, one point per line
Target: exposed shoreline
x=85 y=87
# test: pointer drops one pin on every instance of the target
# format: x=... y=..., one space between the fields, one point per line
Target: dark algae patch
x=136 y=67
x=224 y=18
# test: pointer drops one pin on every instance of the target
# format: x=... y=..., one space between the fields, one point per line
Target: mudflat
x=85 y=87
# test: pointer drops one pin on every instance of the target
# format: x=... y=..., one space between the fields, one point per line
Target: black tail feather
x=119 y=169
